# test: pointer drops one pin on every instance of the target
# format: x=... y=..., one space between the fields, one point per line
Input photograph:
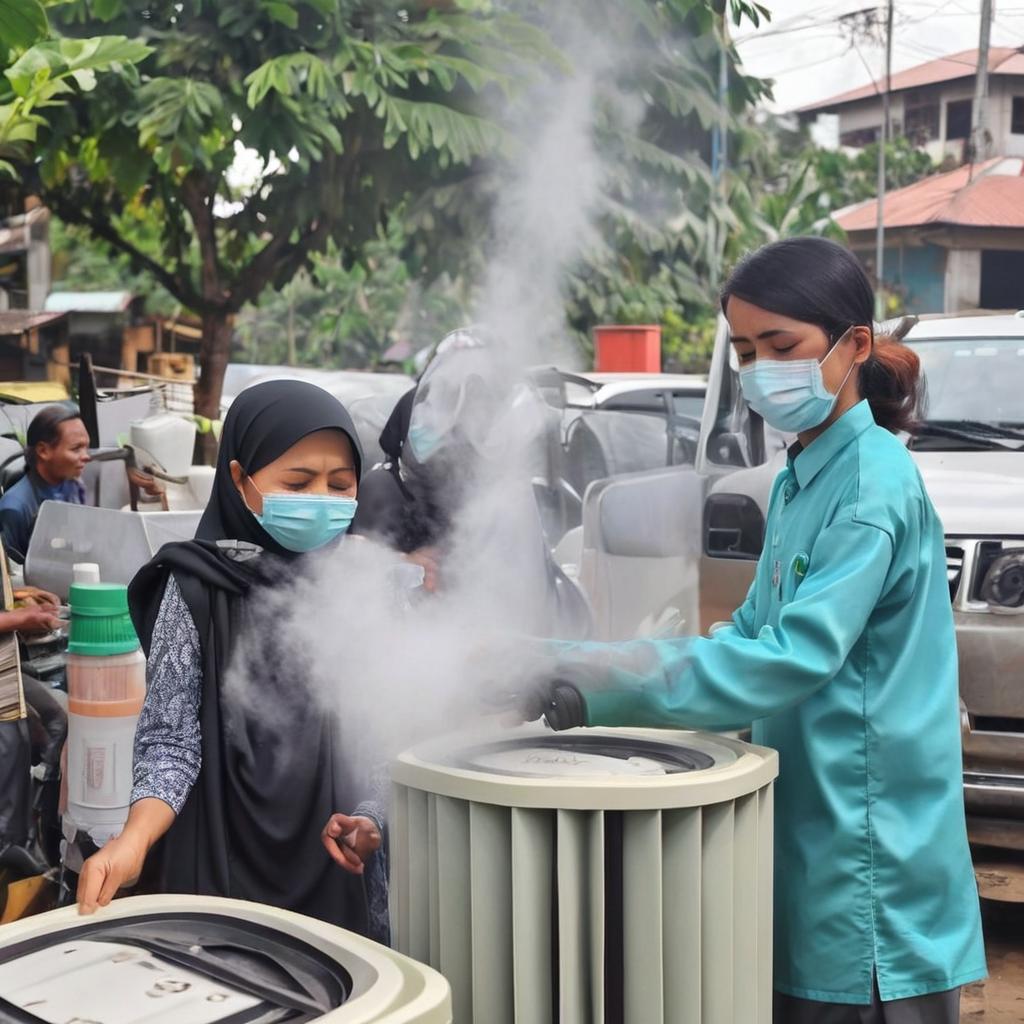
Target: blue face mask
x=305 y=522
x=423 y=442
x=790 y=395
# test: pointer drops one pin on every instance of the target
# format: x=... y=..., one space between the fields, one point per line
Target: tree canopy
x=41 y=74
x=240 y=142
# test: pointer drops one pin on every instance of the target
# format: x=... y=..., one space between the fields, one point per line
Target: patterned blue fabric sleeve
x=168 y=750
x=376 y=873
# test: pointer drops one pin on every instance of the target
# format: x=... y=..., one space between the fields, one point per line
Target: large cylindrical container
x=204 y=960
x=106 y=688
x=602 y=876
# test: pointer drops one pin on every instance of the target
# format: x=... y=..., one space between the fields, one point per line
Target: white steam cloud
x=397 y=665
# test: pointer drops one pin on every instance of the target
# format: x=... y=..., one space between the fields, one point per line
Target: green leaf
x=67 y=57
x=104 y=52
x=282 y=12
x=22 y=23
x=166 y=106
x=85 y=79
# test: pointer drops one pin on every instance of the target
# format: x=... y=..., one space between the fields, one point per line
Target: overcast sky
x=804 y=49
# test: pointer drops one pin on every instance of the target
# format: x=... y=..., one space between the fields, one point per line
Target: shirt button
x=789 y=493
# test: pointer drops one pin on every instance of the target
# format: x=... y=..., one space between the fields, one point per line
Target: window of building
x=1017 y=116
x=1002 y=279
x=921 y=117
x=860 y=137
x=958 y=119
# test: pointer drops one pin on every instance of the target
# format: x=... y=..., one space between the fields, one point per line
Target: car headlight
x=1003 y=586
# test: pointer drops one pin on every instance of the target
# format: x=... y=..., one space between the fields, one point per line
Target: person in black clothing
x=238 y=790
x=446 y=445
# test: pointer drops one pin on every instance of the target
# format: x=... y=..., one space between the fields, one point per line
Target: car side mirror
x=733 y=527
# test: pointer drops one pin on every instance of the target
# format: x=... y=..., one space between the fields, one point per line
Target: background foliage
x=316 y=179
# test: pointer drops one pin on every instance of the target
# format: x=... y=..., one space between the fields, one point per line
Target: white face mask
x=790 y=395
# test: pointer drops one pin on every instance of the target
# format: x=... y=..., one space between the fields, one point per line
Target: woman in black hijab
x=238 y=779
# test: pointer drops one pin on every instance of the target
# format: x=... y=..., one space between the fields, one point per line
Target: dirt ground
x=1000 y=999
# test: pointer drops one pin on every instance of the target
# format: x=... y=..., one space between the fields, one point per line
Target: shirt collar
x=808 y=462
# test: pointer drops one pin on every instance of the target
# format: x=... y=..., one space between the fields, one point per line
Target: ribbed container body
x=105 y=696
x=642 y=914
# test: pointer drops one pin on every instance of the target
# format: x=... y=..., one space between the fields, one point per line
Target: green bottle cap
x=100 y=622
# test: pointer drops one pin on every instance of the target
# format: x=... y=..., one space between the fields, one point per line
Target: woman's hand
x=35 y=596
x=351 y=841
x=120 y=861
x=428 y=559
x=117 y=865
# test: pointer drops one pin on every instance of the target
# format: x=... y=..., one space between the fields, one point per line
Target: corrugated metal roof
x=18 y=321
x=1002 y=60
x=88 y=302
x=993 y=198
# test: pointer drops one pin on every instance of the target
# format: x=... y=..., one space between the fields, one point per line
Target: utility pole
x=979 y=111
x=720 y=144
x=882 y=143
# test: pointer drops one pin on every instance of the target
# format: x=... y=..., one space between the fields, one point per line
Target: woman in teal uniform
x=843 y=656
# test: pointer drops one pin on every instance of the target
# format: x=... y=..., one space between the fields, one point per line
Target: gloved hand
x=558 y=702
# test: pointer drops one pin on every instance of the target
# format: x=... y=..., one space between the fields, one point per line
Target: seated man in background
x=56 y=452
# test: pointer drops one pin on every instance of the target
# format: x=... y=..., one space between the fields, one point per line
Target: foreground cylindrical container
x=106 y=688
x=202 y=960
x=589 y=876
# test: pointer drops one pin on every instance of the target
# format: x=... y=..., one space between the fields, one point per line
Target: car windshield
x=979 y=380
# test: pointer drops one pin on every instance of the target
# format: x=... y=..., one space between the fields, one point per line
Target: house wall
x=963 y=280
x=867 y=114
x=918 y=273
x=940 y=270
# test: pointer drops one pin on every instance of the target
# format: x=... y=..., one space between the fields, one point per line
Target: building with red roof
x=931 y=104
x=953 y=241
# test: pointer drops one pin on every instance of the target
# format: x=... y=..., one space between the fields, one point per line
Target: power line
x=812 y=64
x=796 y=23
x=927 y=51
x=867 y=67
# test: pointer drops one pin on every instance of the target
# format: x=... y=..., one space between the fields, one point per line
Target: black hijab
x=271 y=768
x=263 y=422
x=404 y=503
x=392 y=437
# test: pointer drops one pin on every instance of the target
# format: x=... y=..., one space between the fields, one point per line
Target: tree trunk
x=214 y=353
x=291 y=328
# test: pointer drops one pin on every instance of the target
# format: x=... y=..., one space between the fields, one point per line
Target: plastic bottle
x=106 y=688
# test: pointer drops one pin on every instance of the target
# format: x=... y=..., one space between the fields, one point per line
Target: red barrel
x=627 y=348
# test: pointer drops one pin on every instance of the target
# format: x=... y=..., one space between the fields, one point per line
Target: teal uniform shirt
x=844 y=657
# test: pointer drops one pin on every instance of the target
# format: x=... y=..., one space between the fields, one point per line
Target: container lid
x=100 y=622
x=583 y=755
